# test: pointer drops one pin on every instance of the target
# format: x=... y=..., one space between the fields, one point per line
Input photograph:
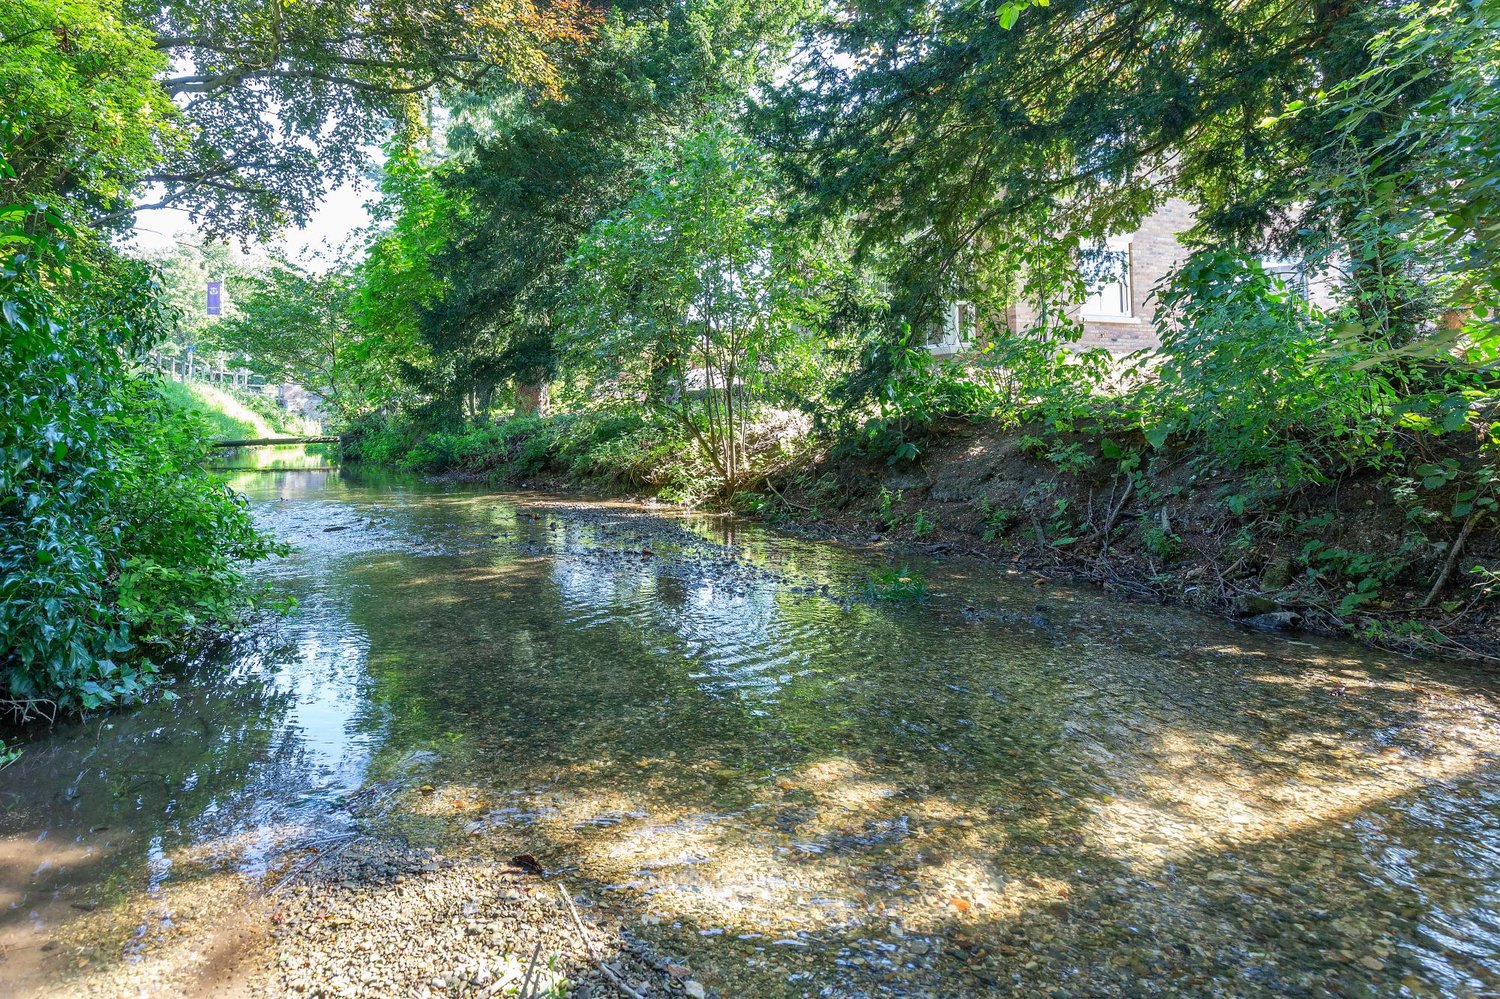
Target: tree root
x=1114 y=514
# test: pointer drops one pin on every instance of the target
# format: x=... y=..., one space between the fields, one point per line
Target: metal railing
x=181 y=369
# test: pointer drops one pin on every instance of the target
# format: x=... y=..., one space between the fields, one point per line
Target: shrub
x=116 y=544
x=997 y=520
x=624 y=449
x=1160 y=541
x=1258 y=378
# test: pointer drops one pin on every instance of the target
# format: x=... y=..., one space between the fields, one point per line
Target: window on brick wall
x=1108 y=274
x=957 y=330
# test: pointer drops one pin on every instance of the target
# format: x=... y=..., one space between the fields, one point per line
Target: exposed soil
x=1286 y=561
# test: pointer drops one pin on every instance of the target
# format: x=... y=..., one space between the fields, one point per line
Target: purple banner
x=215 y=291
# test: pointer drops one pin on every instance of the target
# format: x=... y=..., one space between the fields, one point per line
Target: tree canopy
x=240 y=113
x=83 y=115
x=535 y=177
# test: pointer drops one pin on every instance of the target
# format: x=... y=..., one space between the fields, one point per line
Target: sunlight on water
x=302 y=457
x=1012 y=788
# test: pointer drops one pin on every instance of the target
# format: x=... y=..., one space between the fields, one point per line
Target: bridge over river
x=277 y=441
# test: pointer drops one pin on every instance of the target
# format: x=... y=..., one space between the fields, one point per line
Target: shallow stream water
x=1012 y=787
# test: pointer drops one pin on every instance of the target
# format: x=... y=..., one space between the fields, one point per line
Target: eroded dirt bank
x=1357 y=557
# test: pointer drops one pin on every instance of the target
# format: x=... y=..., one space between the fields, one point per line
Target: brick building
x=1120 y=314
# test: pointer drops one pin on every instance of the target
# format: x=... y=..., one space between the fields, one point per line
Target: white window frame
x=958 y=328
x=1094 y=312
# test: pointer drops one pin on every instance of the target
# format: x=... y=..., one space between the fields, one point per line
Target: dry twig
x=311 y=862
x=1453 y=554
x=589 y=944
x=1114 y=514
x=525 y=990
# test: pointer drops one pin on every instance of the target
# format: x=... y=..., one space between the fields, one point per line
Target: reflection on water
x=1015 y=788
x=304 y=457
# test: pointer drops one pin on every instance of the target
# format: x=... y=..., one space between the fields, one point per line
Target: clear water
x=1012 y=788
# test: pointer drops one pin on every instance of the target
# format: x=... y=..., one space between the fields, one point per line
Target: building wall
x=1154 y=251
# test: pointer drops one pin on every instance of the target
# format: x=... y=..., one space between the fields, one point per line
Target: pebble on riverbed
x=384 y=919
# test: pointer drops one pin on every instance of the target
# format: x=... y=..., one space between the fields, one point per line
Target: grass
x=890 y=584
x=228 y=416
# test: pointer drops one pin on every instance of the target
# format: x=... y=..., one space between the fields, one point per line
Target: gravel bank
x=381 y=918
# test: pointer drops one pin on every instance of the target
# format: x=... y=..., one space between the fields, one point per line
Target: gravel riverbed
x=382 y=918
x=756 y=772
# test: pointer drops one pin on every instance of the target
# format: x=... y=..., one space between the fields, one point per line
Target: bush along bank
x=604 y=453
x=1406 y=557
x=119 y=550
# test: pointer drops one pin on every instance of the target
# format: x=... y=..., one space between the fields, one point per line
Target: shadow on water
x=1011 y=788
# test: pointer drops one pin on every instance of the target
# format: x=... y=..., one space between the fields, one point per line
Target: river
x=715 y=732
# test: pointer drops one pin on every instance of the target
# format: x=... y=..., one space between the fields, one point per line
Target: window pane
x=1110 y=291
x=1290 y=274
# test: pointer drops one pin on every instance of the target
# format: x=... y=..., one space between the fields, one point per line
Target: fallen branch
x=502 y=982
x=796 y=506
x=1453 y=553
x=312 y=862
x=276 y=441
x=1104 y=573
x=1114 y=515
x=589 y=944
x=1450 y=645
x=25 y=708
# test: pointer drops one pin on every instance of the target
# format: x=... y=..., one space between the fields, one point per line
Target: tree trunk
x=531 y=399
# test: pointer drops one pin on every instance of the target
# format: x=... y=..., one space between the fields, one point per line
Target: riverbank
x=365 y=913
x=487 y=926
x=1404 y=558
x=233 y=414
x=1376 y=555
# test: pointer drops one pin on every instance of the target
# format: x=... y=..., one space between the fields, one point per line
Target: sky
x=341 y=214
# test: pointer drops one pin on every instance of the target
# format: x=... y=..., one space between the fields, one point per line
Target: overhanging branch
x=208 y=84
